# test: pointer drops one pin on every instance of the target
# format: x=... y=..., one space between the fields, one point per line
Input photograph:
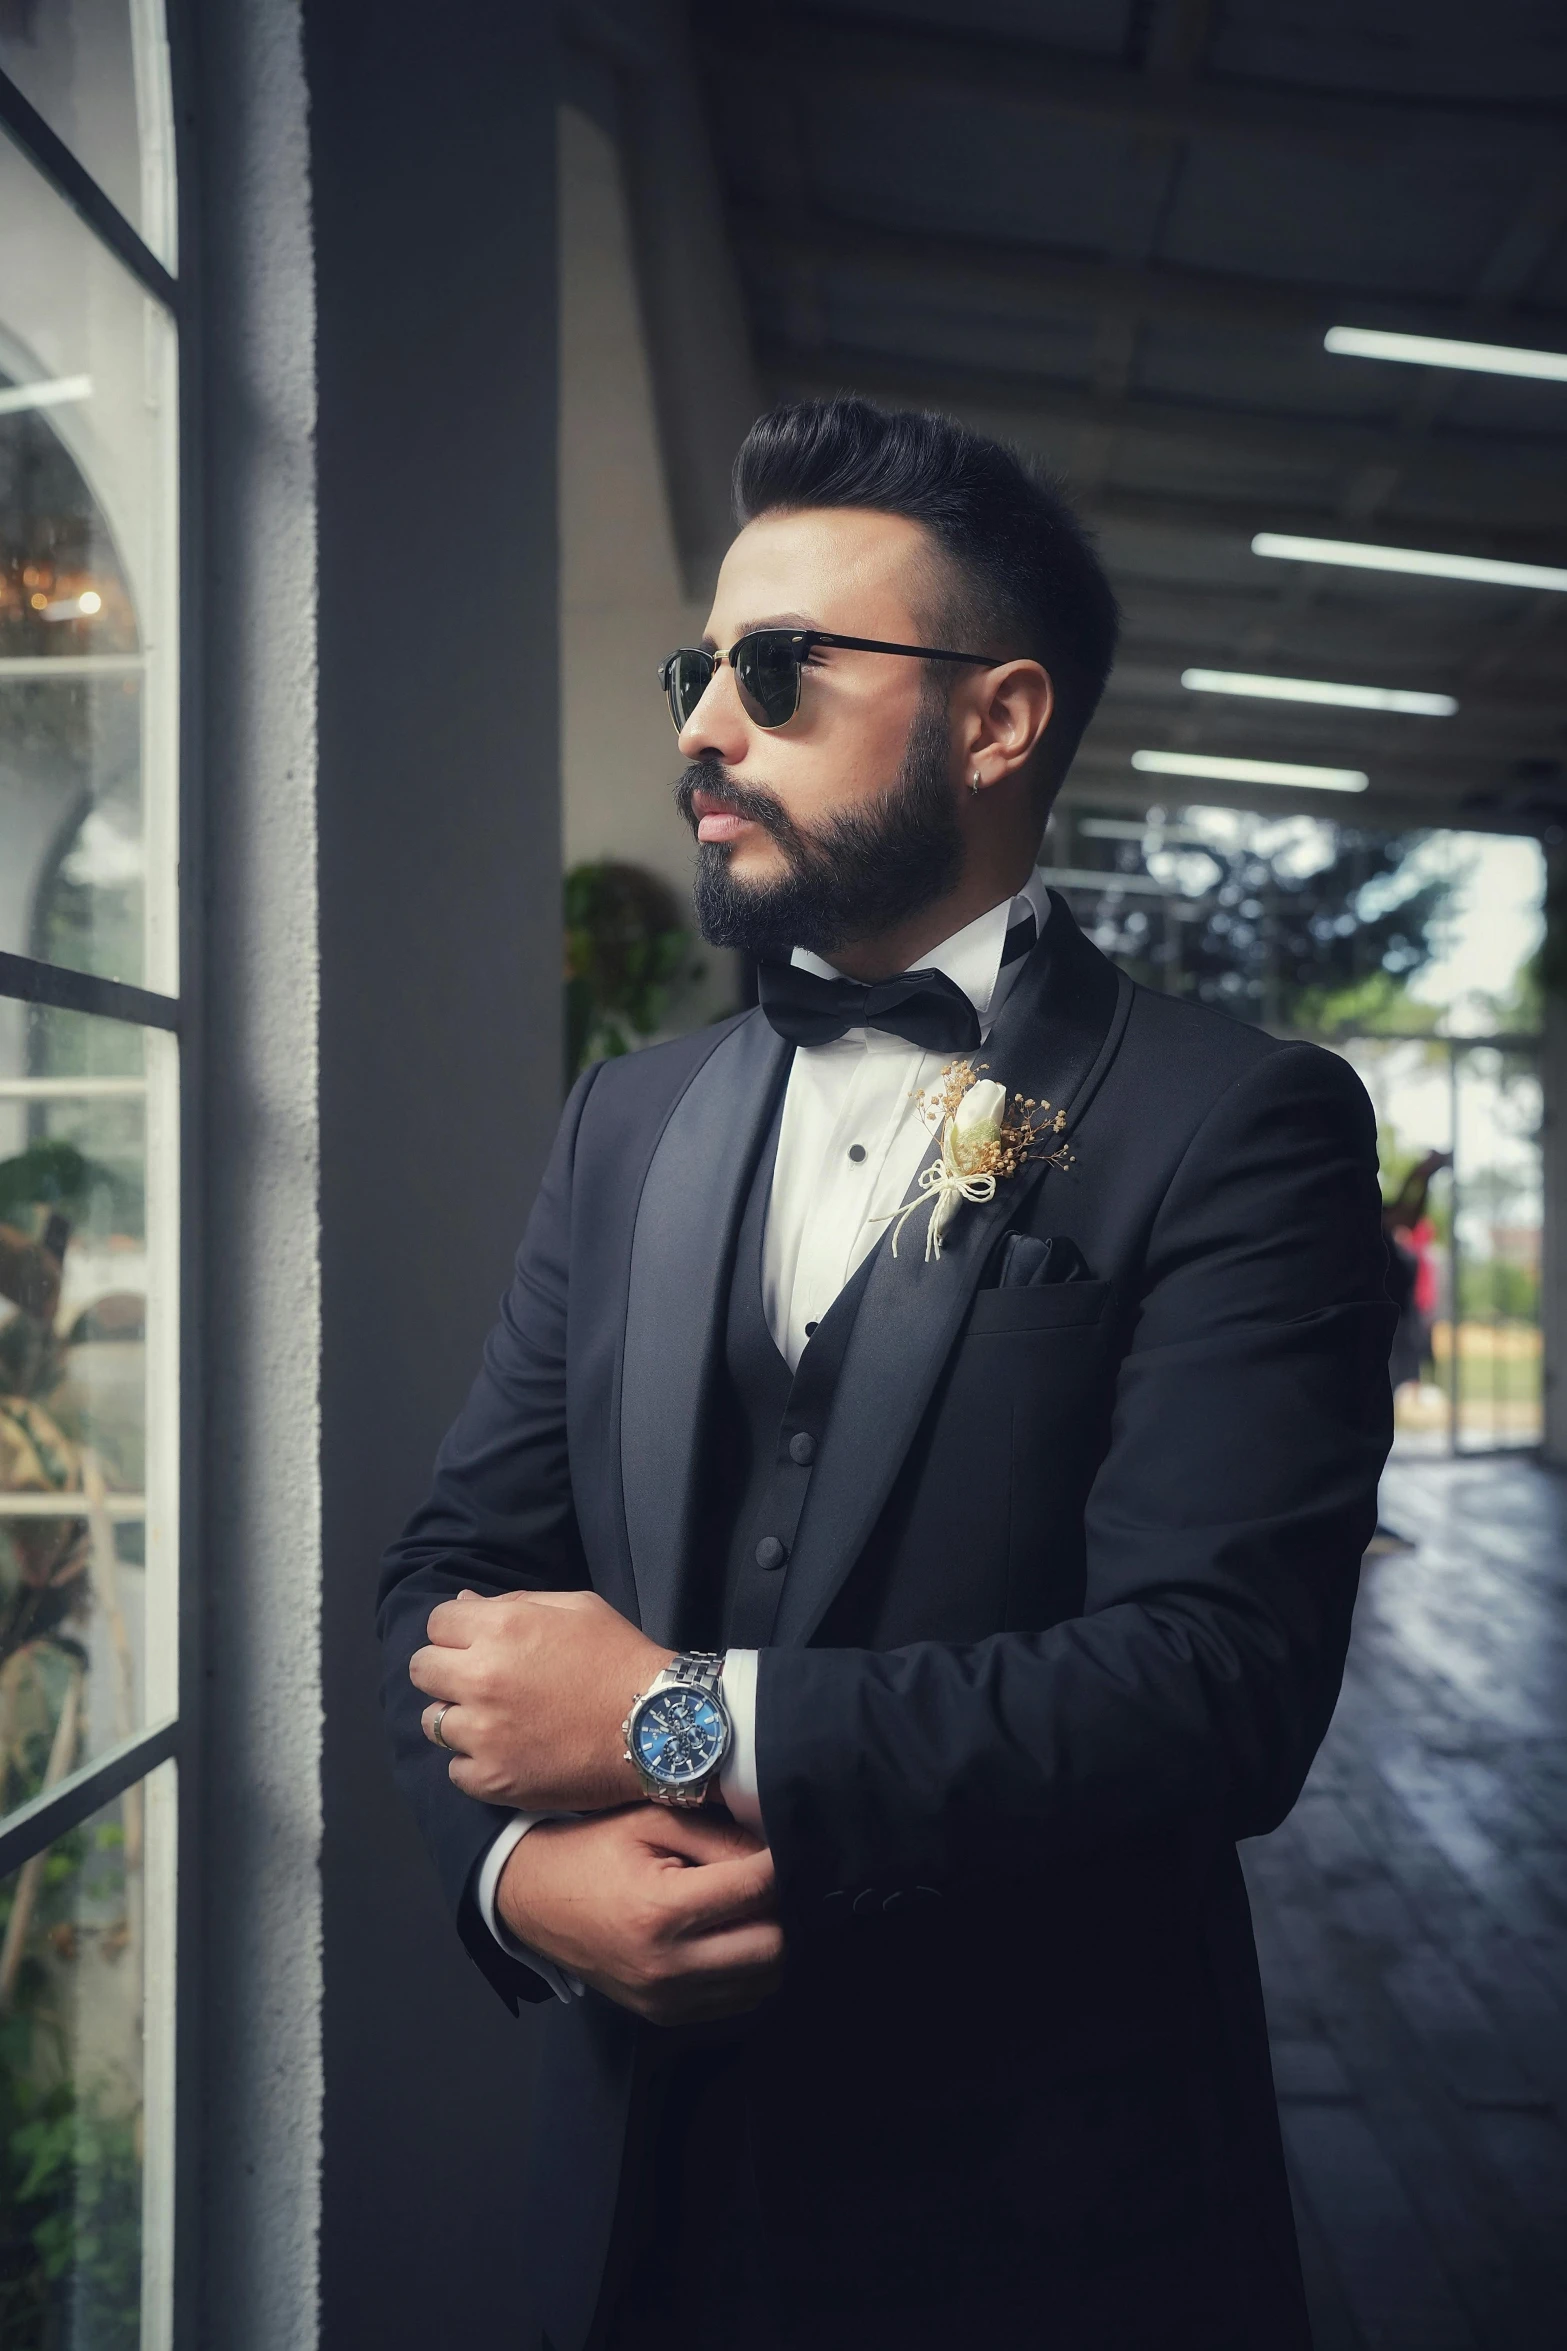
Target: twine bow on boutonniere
x=985 y=1137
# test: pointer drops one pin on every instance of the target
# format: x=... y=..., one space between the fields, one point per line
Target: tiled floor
x=1412 y=1919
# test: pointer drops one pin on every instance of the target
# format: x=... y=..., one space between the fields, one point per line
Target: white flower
x=980 y=1139
x=977 y=1120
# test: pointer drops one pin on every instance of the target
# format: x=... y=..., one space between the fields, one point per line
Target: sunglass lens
x=686 y=678
x=767 y=671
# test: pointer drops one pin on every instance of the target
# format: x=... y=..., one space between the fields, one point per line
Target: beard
x=858 y=874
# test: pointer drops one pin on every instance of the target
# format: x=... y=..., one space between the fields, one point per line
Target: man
x=968 y=1508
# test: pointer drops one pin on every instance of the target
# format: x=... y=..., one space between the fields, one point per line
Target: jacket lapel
x=676 y=1298
x=1055 y=1036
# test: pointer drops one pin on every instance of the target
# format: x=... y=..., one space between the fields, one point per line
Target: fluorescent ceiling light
x=1250 y=771
x=1486 y=359
x=1239 y=681
x=52 y=393
x=1361 y=557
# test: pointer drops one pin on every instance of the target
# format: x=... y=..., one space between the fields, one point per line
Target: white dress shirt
x=849 y=1145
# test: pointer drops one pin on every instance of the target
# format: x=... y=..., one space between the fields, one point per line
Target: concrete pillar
x=375 y=582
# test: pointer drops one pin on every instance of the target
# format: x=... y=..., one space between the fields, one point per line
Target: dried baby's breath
x=1025 y=1125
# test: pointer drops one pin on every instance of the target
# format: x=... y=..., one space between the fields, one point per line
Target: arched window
x=90 y=1500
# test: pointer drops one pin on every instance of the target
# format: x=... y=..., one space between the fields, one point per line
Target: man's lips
x=715 y=821
x=723 y=825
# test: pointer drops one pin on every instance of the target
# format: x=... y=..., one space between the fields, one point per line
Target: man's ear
x=1015 y=705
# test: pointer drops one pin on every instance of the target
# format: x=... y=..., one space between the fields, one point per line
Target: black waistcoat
x=765 y=1429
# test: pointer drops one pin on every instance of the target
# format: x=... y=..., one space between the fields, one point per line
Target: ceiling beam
x=1116 y=514
x=1029 y=409
x=1485 y=759
x=1437 y=750
x=1035 y=282
x=1179 y=631
x=1526 y=809
x=893 y=57
x=1144 y=675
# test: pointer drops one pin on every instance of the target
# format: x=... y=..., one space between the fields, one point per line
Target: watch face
x=678 y=1735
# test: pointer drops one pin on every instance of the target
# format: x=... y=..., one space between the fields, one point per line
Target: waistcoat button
x=769 y=1552
x=802 y=1448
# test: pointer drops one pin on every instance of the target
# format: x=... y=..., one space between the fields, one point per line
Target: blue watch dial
x=679 y=1735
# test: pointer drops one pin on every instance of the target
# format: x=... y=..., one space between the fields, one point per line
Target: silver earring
x=974 y=781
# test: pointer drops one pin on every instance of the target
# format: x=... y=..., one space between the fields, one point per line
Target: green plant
x=81 y=2170
x=1491 y=1289
x=53 y=1173
x=626 y=950
x=70 y=2154
x=1295 y=924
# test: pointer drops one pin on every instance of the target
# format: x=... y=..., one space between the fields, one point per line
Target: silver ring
x=441 y=1713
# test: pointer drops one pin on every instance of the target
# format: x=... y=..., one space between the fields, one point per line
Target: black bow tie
x=925 y=1007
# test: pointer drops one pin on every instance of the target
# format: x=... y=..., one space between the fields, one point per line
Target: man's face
x=844 y=821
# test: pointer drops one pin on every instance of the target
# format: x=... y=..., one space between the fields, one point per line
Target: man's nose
x=718 y=727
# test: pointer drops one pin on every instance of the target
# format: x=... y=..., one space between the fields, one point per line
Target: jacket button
x=769 y=1552
x=802 y=1448
x=865 y=1901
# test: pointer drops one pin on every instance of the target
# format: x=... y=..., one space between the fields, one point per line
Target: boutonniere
x=985 y=1137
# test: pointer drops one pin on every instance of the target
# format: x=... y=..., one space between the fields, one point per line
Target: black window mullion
x=54 y=1812
x=81 y=191
x=64 y=990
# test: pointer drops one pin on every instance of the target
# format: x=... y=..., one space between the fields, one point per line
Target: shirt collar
x=972 y=956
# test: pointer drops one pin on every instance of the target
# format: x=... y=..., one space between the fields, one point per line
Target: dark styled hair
x=1024 y=575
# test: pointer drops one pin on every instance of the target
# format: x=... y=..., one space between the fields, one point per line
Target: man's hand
x=536 y=1686
x=669 y=1914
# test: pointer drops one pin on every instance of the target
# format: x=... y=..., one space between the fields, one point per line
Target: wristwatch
x=678 y=1732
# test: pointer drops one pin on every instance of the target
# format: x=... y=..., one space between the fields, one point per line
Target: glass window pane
x=87 y=1330
x=84 y=1960
x=88 y=707
x=1409 y=1080
x=1497 y=1228
x=97 y=71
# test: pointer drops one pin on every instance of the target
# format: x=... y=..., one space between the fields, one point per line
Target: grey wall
x=380 y=992
x=433 y=176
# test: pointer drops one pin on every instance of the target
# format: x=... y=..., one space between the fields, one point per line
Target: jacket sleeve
x=499 y=1518
x=1224 y=1532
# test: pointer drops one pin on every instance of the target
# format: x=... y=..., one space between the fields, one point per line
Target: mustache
x=749 y=800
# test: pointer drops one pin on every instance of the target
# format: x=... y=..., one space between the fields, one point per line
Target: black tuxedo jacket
x=1064 y=1617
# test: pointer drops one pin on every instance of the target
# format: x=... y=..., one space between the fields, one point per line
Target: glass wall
x=89 y=1180
x=1416 y=956
x=1469 y=1364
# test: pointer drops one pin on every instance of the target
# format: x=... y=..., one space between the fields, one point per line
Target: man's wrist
x=495 y=1893
x=664 y=1743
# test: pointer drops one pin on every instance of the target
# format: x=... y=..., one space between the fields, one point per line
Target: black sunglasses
x=767 y=665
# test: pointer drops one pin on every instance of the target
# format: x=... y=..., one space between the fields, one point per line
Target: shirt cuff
x=737 y=1779
x=561 y=1981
